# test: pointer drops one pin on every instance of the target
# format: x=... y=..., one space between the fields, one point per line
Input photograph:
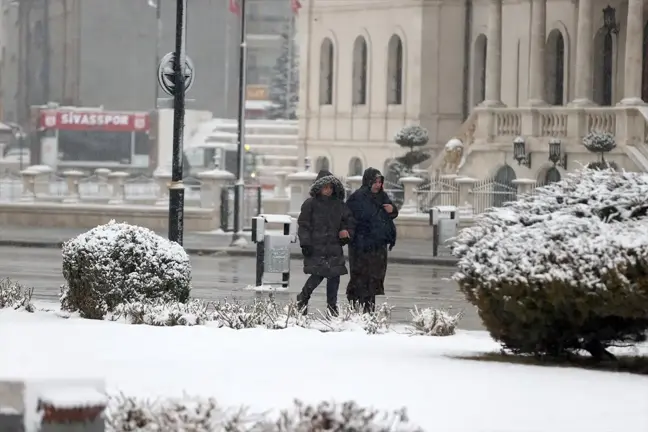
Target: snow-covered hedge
x=118 y=263
x=565 y=268
x=412 y=136
x=435 y=322
x=206 y=415
x=599 y=142
x=271 y=315
x=15 y=296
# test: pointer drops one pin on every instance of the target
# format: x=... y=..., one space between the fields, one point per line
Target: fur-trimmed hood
x=325 y=177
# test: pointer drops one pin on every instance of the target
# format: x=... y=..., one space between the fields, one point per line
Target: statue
x=453 y=156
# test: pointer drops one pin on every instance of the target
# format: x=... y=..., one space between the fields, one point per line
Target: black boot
x=302 y=305
x=333 y=310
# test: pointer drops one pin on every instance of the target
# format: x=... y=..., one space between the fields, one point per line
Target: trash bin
x=273 y=246
x=444 y=221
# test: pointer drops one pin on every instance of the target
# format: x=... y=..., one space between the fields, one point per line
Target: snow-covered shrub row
x=435 y=322
x=15 y=296
x=206 y=415
x=563 y=269
x=271 y=315
x=118 y=263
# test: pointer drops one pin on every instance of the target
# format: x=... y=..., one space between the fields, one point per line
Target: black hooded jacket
x=374 y=227
x=319 y=224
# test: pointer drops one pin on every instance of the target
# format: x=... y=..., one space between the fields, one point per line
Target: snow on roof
x=73 y=397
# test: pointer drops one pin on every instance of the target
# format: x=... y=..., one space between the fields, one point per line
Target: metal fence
x=251 y=206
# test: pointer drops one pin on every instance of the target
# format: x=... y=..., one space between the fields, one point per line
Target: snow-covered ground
x=266 y=369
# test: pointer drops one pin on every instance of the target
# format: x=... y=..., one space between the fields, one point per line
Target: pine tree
x=284 y=88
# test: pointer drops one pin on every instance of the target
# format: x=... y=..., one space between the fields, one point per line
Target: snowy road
x=216 y=278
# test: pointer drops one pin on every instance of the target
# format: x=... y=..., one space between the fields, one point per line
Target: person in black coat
x=375 y=231
x=324 y=226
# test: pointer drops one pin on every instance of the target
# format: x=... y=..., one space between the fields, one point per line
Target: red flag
x=234 y=7
x=295 y=5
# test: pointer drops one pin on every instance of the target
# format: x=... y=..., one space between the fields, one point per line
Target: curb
x=234 y=251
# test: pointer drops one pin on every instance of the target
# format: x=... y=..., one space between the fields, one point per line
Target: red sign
x=95 y=120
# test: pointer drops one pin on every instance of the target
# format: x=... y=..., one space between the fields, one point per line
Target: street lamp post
x=157 y=4
x=176 y=187
x=237 y=238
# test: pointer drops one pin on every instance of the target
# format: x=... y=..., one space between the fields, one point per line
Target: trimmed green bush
x=116 y=264
x=563 y=269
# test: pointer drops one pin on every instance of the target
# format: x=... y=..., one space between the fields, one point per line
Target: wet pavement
x=216 y=278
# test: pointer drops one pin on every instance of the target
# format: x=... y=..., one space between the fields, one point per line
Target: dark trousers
x=332 y=286
x=367 y=303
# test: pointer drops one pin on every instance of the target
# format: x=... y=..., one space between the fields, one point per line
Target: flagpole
x=237 y=237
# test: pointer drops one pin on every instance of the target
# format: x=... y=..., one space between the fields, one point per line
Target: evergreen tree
x=284 y=88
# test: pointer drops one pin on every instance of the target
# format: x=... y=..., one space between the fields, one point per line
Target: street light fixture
x=609 y=20
x=519 y=152
x=556 y=155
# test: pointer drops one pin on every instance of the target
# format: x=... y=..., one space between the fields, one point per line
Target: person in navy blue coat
x=375 y=232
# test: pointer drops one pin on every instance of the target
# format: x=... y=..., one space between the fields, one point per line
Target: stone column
x=212 y=184
x=494 y=56
x=525 y=186
x=280 y=187
x=410 y=203
x=584 y=52
x=465 y=185
x=354 y=182
x=102 y=181
x=299 y=183
x=72 y=178
x=42 y=180
x=537 y=56
x=633 y=54
x=163 y=179
x=117 y=179
x=29 y=184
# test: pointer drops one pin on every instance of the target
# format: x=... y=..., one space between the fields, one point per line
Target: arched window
x=555 y=68
x=360 y=55
x=479 y=69
x=355 y=167
x=551 y=176
x=395 y=71
x=327 y=63
x=322 y=163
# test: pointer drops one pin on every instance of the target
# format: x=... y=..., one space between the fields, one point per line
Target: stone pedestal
x=355 y=182
x=102 y=182
x=410 y=203
x=42 y=180
x=117 y=180
x=163 y=179
x=465 y=185
x=29 y=184
x=213 y=182
x=72 y=178
x=280 y=187
x=300 y=184
x=525 y=186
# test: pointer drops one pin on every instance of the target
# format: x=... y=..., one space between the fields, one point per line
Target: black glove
x=307 y=251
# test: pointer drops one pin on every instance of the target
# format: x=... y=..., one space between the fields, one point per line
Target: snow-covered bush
x=15 y=296
x=434 y=322
x=161 y=313
x=563 y=269
x=412 y=137
x=118 y=263
x=351 y=317
x=603 y=165
x=599 y=142
x=205 y=415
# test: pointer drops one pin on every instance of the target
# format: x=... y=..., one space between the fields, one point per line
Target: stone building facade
x=484 y=71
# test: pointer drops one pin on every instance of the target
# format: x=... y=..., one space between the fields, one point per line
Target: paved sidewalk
x=415 y=252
